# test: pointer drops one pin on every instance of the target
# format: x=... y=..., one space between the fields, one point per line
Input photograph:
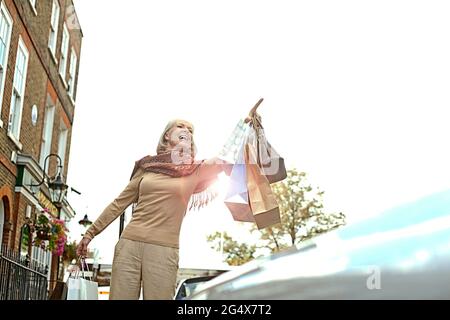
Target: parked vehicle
x=403 y=253
x=187 y=287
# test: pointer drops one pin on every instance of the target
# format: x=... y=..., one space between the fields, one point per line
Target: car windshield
x=188 y=286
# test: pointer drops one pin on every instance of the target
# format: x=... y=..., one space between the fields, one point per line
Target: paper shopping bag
x=89 y=290
x=263 y=203
x=81 y=289
x=236 y=198
x=271 y=164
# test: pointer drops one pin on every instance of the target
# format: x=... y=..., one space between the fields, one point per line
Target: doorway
x=2 y=221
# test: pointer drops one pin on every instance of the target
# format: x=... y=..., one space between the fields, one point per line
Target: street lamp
x=56 y=186
x=85 y=222
x=57 y=189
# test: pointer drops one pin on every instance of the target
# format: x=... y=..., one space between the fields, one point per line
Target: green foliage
x=49 y=233
x=302 y=217
x=70 y=252
x=301 y=212
x=237 y=253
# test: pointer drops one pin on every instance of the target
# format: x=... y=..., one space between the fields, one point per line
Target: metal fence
x=21 y=279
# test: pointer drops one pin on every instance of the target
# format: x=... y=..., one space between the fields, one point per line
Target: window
x=5 y=37
x=64 y=53
x=33 y=5
x=72 y=73
x=20 y=76
x=47 y=135
x=42 y=258
x=54 y=27
x=62 y=143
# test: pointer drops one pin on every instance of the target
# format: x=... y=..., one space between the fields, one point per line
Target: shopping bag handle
x=83 y=263
x=75 y=273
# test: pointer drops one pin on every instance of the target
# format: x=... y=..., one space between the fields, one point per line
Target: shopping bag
x=263 y=204
x=80 y=288
x=236 y=198
x=232 y=151
x=89 y=290
x=261 y=166
x=269 y=161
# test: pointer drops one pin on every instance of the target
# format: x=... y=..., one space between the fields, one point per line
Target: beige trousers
x=143 y=264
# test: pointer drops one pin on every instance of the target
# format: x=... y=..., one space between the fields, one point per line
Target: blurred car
x=187 y=287
x=404 y=253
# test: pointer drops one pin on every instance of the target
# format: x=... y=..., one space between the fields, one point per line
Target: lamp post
x=85 y=223
x=56 y=185
x=57 y=189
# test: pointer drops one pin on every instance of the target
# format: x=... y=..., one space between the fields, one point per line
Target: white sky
x=356 y=94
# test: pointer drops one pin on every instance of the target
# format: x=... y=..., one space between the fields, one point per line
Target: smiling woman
x=347 y=112
x=162 y=188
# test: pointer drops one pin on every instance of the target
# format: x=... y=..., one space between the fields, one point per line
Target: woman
x=161 y=187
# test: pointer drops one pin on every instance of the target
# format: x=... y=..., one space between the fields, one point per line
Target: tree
x=70 y=252
x=301 y=212
x=236 y=253
x=302 y=217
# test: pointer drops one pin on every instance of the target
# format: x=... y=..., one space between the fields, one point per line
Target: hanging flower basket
x=43 y=235
x=49 y=233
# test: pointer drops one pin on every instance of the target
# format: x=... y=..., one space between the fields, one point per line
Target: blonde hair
x=164 y=143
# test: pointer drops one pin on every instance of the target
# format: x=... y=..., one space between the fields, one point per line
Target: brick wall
x=43 y=81
x=42 y=69
x=38 y=27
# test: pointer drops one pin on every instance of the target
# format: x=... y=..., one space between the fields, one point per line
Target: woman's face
x=180 y=139
x=180 y=133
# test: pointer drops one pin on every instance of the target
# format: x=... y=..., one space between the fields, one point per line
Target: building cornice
x=27 y=194
x=33 y=167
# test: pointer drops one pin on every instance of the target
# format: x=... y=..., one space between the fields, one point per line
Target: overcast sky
x=356 y=95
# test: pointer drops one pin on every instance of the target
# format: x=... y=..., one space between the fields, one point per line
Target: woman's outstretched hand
x=253 y=111
x=82 y=247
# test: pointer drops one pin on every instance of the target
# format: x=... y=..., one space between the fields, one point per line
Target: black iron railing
x=20 y=278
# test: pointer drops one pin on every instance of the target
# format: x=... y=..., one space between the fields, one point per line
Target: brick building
x=40 y=45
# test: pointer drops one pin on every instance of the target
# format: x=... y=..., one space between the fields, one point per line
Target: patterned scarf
x=204 y=192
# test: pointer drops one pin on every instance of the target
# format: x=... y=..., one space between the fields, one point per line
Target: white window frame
x=4 y=65
x=44 y=258
x=33 y=5
x=64 y=54
x=54 y=23
x=62 y=142
x=18 y=90
x=72 y=74
x=47 y=134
